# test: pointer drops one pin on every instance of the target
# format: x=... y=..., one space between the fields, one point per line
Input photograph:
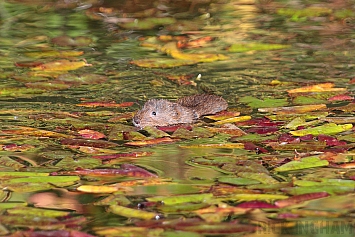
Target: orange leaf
x=316 y=88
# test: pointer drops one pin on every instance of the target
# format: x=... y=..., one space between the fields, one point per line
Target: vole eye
x=154 y=113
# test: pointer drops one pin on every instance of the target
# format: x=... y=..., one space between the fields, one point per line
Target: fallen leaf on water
x=329 y=86
x=223 y=115
x=294 y=109
x=172 y=50
x=304 y=163
x=264 y=103
x=162 y=62
x=27 y=64
x=125 y=170
x=341 y=98
x=123 y=155
x=98 y=189
x=173 y=200
x=61 y=65
x=53 y=53
x=105 y=104
x=244 y=47
x=194 y=43
x=88 y=142
x=227 y=145
x=300 y=198
x=132 y=213
x=233 y=120
x=329 y=128
x=21 y=130
x=151 y=142
x=252 y=197
x=91 y=134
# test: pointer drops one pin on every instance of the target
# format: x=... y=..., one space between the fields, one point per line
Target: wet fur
x=160 y=112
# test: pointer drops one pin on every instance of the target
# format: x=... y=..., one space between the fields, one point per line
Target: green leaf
x=304 y=163
x=182 y=198
x=267 y=102
x=328 y=129
x=244 y=47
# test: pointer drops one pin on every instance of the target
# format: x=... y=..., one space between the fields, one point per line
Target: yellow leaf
x=171 y=49
x=228 y=145
x=61 y=65
x=234 y=120
x=293 y=109
x=329 y=128
x=97 y=189
x=317 y=88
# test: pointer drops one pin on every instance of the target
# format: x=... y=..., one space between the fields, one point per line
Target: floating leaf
x=317 y=88
x=304 y=163
x=244 y=47
x=171 y=49
x=97 y=189
x=151 y=142
x=329 y=128
x=237 y=181
x=132 y=213
x=162 y=62
x=52 y=53
x=91 y=134
x=223 y=115
x=233 y=120
x=125 y=170
x=182 y=198
x=300 y=198
x=252 y=197
x=227 y=145
x=294 y=109
x=61 y=65
x=267 y=102
x=196 y=132
x=105 y=104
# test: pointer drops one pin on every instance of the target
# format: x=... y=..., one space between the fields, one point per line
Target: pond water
x=278 y=163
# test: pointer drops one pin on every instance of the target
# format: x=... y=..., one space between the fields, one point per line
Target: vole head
x=162 y=113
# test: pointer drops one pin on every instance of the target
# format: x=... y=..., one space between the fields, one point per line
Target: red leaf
x=300 y=198
x=252 y=147
x=263 y=130
x=124 y=155
x=28 y=64
x=125 y=170
x=256 y=204
x=341 y=98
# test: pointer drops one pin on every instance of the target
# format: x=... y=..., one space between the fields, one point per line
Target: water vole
x=160 y=112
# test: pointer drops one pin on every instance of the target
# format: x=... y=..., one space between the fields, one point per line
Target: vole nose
x=136 y=121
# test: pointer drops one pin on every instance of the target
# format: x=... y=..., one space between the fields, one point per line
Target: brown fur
x=162 y=112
